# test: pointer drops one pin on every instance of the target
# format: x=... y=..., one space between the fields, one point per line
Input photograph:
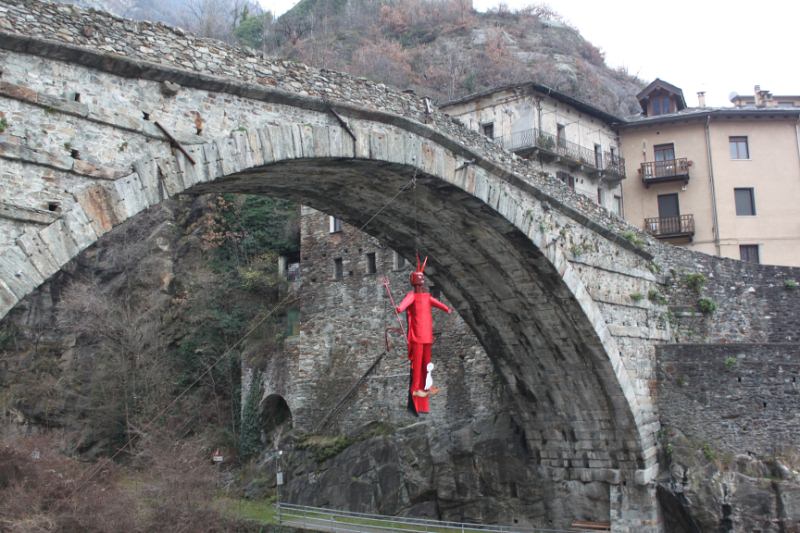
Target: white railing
x=322 y=519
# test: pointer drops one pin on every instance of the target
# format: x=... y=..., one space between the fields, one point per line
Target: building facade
x=723 y=181
x=570 y=139
x=718 y=180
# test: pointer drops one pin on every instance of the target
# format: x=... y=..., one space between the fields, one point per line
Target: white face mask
x=429 y=377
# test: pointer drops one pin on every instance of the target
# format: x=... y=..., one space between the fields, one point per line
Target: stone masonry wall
x=733 y=397
x=754 y=303
x=343 y=323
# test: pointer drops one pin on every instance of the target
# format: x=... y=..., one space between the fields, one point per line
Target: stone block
x=147 y=171
x=256 y=150
x=267 y=152
x=305 y=136
x=7 y=299
x=27 y=214
x=79 y=226
x=18 y=272
x=31 y=243
x=58 y=241
x=85 y=168
x=170 y=174
x=38 y=157
x=378 y=145
x=63 y=105
x=130 y=198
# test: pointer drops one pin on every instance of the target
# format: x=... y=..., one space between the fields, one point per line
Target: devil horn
x=423 y=264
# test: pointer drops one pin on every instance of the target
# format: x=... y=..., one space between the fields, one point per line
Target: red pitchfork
x=394 y=307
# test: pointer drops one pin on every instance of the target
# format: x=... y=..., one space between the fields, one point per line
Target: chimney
x=701 y=98
x=758 y=96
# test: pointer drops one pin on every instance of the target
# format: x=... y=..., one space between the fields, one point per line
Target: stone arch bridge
x=104 y=117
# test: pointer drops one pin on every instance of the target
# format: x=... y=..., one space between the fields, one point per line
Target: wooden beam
x=342 y=122
x=174 y=142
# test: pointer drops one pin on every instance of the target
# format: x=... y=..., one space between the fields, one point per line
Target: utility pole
x=278 y=482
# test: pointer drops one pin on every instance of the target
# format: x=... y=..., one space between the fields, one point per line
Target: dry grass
x=168 y=487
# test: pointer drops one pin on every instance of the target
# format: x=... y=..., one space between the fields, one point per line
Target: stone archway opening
x=276 y=418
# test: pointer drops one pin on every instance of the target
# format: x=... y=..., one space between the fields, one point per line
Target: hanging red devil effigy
x=418 y=304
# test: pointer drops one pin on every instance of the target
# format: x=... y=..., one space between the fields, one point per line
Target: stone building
x=570 y=139
x=336 y=374
x=717 y=180
x=723 y=181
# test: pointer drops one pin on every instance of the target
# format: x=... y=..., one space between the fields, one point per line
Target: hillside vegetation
x=438 y=48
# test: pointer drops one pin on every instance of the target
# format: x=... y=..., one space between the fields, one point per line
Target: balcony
x=664 y=171
x=529 y=142
x=680 y=227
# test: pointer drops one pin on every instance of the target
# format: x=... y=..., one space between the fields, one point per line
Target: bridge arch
x=532 y=269
x=495 y=249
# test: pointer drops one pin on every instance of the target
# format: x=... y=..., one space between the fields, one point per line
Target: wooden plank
x=174 y=142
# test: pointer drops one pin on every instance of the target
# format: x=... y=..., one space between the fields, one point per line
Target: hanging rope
x=412 y=183
x=81 y=482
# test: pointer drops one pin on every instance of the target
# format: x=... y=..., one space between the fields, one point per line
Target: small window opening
x=145 y=115
x=372 y=266
x=399 y=261
x=338 y=269
x=77 y=97
x=53 y=206
x=74 y=154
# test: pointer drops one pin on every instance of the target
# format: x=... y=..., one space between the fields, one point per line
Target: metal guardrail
x=348 y=521
x=670 y=226
x=666 y=169
x=535 y=138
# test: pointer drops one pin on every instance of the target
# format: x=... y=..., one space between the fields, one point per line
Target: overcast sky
x=698 y=45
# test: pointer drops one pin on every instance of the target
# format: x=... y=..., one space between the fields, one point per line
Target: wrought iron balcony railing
x=670 y=227
x=666 y=170
x=548 y=142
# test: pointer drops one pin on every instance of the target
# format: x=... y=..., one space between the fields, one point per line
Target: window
x=739 y=148
x=600 y=196
x=745 y=202
x=561 y=135
x=598 y=157
x=488 y=129
x=398 y=261
x=749 y=253
x=618 y=204
x=372 y=266
x=338 y=269
x=664 y=152
x=668 y=206
x=661 y=105
x=565 y=178
x=335 y=225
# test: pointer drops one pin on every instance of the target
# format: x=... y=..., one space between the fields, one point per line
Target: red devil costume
x=417 y=305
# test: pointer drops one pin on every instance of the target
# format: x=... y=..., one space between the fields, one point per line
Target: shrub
x=633 y=238
x=656 y=297
x=709 y=453
x=706 y=305
x=791 y=284
x=695 y=281
x=730 y=363
x=636 y=297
